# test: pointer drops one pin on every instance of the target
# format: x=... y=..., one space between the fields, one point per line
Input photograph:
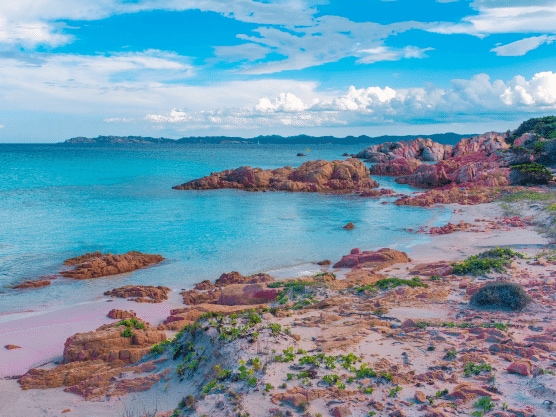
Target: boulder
x=96 y=264
x=375 y=260
x=519 y=367
x=121 y=314
x=12 y=347
x=247 y=294
x=235 y=277
x=349 y=226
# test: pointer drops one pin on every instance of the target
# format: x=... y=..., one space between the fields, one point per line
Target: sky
x=176 y=68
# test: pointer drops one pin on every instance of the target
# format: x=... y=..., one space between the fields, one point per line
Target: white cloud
x=383 y=53
x=118 y=120
x=504 y=16
x=286 y=102
x=175 y=116
x=466 y=98
x=1 y=126
x=31 y=22
x=521 y=47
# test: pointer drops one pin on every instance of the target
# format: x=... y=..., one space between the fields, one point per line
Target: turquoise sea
x=58 y=201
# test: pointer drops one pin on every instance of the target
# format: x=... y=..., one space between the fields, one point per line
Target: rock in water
x=96 y=264
x=337 y=176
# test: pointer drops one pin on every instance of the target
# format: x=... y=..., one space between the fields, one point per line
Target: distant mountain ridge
x=446 y=138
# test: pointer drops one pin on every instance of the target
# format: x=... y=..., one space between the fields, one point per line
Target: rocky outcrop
x=451 y=195
x=337 y=176
x=141 y=293
x=247 y=294
x=194 y=297
x=376 y=261
x=121 y=314
x=418 y=149
x=235 y=277
x=96 y=264
x=450 y=228
x=475 y=161
x=395 y=167
x=95 y=359
x=110 y=344
x=32 y=284
x=181 y=317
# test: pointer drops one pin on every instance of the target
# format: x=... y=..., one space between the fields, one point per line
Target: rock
x=349 y=226
x=235 y=277
x=340 y=411
x=420 y=397
x=181 y=317
x=312 y=176
x=247 y=294
x=32 y=284
x=96 y=264
x=204 y=285
x=107 y=344
x=95 y=359
x=441 y=269
x=194 y=297
x=417 y=149
x=301 y=154
x=519 y=367
x=395 y=167
x=12 y=347
x=375 y=260
x=325 y=262
x=450 y=228
x=397 y=413
x=141 y=293
x=121 y=314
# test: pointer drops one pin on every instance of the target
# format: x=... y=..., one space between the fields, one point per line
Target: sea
x=59 y=201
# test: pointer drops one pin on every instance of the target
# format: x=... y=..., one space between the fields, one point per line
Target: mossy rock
x=533 y=173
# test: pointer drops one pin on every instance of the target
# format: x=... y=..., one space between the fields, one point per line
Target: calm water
x=59 y=201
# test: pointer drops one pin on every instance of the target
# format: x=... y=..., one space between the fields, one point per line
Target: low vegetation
x=501 y=294
x=497 y=260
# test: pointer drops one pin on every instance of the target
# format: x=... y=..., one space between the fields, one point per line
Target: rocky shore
x=462 y=325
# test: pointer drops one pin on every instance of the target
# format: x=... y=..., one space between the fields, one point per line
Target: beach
x=42 y=336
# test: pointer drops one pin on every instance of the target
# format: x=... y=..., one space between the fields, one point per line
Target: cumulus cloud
x=175 y=116
x=465 y=98
x=521 y=47
x=118 y=120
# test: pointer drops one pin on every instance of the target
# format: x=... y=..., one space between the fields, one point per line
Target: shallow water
x=59 y=201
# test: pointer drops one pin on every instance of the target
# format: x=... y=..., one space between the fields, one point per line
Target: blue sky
x=177 y=68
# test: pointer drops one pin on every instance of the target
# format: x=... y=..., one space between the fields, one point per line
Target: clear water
x=59 y=201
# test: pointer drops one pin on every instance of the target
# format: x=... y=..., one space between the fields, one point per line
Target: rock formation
x=32 y=284
x=417 y=149
x=378 y=260
x=141 y=293
x=93 y=361
x=350 y=175
x=96 y=264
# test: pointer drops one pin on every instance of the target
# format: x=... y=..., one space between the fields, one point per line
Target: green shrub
x=127 y=332
x=501 y=294
x=497 y=259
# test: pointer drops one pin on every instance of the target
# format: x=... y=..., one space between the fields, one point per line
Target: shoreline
x=40 y=345
x=90 y=314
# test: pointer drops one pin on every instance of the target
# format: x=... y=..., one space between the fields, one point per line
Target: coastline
x=40 y=344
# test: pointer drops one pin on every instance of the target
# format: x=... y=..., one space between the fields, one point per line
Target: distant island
x=447 y=138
